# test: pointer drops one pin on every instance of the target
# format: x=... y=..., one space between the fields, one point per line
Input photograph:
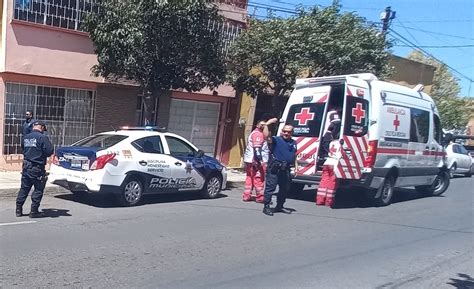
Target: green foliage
x=454 y=110
x=272 y=53
x=161 y=45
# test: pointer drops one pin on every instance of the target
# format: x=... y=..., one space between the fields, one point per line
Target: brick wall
x=115 y=106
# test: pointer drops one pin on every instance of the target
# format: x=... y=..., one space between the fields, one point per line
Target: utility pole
x=387 y=16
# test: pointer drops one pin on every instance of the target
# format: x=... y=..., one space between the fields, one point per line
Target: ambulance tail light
x=101 y=161
x=369 y=162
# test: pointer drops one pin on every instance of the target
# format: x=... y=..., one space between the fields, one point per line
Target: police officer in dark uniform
x=36 y=149
x=283 y=153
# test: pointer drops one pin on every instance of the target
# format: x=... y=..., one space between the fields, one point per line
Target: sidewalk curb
x=55 y=190
x=49 y=190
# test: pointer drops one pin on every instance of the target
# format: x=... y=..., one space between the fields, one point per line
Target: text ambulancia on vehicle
x=380 y=135
x=132 y=162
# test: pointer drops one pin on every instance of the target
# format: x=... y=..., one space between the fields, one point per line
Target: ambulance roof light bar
x=363 y=76
x=147 y=128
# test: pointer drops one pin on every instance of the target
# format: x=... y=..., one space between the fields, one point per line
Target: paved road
x=185 y=242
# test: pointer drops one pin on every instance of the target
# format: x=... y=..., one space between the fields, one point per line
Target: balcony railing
x=237 y=3
x=69 y=14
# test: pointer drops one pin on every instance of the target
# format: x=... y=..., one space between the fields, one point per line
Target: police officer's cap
x=39 y=122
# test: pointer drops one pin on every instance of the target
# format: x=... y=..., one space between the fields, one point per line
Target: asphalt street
x=182 y=241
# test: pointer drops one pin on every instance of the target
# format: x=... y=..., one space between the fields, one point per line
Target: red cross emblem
x=304 y=116
x=333 y=149
x=396 y=122
x=358 y=113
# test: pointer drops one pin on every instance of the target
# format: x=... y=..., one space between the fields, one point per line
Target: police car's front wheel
x=132 y=192
x=212 y=187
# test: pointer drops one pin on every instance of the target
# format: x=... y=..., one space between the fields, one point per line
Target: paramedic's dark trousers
x=282 y=179
x=31 y=177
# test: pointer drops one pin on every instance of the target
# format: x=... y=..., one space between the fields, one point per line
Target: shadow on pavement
x=55 y=213
x=234 y=185
x=109 y=201
x=355 y=198
x=464 y=282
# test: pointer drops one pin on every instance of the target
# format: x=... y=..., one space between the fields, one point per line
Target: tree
x=159 y=44
x=272 y=53
x=454 y=110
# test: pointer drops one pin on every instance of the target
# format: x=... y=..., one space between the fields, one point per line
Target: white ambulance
x=388 y=135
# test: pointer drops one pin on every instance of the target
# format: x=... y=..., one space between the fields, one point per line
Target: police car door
x=186 y=169
x=354 y=129
x=304 y=111
x=152 y=163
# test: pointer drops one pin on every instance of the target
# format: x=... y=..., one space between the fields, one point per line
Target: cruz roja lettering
x=158 y=183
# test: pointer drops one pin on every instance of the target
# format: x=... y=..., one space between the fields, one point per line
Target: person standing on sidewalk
x=282 y=157
x=36 y=149
x=256 y=159
x=27 y=126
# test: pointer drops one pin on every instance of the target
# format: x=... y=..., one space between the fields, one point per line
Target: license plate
x=76 y=164
x=79 y=164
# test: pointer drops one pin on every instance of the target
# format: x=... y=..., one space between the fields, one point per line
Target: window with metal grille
x=68 y=113
x=67 y=14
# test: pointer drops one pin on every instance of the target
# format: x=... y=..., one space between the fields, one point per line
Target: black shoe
x=36 y=214
x=19 y=211
x=281 y=209
x=267 y=210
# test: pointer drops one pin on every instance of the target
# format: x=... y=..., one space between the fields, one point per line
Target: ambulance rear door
x=305 y=111
x=354 y=129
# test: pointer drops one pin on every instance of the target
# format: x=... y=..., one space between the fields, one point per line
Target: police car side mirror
x=199 y=154
x=447 y=138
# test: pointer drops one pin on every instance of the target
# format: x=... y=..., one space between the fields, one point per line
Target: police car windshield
x=100 y=140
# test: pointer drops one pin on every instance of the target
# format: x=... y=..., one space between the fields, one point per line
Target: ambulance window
x=438 y=132
x=420 y=125
x=356 y=116
x=306 y=119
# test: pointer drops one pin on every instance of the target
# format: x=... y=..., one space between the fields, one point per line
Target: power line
x=439 y=46
x=429 y=54
x=416 y=41
x=442 y=21
x=438 y=33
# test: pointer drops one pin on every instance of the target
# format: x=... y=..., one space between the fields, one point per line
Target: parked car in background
x=132 y=162
x=459 y=160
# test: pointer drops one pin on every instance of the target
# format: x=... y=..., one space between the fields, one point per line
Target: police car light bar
x=149 y=128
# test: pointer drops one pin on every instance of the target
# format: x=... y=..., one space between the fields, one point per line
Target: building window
x=68 y=113
x=67 y=14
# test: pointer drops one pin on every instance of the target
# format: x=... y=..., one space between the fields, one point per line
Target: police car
x=131 y=162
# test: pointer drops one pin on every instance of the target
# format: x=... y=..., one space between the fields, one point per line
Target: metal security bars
x=229 y=33
x=67 y=14
x=68 y=113
x=237 y=3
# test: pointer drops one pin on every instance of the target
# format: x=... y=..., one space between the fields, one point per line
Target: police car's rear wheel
x=132 y=192
x=212 y=187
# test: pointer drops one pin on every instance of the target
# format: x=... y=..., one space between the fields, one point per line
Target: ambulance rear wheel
x=296 y=188
x=384 y=194
x=439 y=186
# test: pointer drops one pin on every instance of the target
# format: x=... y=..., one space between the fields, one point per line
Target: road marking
x=17 y=223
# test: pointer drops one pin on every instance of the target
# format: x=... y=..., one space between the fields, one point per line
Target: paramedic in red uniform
x=326 y=192
x=256 y=159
